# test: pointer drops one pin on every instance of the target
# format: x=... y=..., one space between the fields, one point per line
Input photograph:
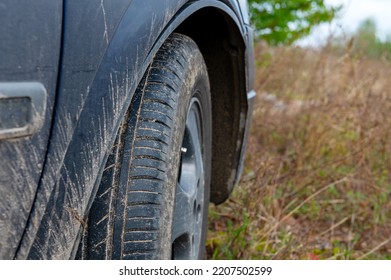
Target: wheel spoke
x=182 y=213
x=193 y=125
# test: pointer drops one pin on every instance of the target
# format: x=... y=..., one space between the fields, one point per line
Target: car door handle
x=22 y=109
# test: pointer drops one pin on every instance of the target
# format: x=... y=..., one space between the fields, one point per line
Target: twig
x=334 y=226
x=375 y=249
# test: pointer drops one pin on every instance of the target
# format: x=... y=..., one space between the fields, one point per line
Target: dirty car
x=119 y=122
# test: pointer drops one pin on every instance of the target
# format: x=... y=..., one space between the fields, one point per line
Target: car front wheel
x=152 y=202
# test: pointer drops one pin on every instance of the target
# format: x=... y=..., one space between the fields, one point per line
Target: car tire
x=152 y=202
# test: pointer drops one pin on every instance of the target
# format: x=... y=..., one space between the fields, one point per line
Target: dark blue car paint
x=106 y=47
x=30 y=41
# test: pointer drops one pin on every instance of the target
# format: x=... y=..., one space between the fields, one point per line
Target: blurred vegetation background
x=366 y=42
x=317 y=178
x=285 y=21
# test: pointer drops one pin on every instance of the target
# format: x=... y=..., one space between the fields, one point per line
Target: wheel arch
x=224 y=49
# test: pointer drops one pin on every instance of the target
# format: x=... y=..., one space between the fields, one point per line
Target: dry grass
x=317 y=182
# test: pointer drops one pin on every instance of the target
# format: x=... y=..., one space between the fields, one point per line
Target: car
x=119 y=122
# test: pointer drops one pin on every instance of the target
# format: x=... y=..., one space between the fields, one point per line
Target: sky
x=352 y=14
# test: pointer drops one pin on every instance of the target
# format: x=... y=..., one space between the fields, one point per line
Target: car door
x=30 y=44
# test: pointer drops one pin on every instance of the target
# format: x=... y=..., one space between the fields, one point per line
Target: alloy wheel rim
x=190 y=190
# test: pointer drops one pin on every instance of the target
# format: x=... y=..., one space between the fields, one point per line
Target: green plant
x=285 y=21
